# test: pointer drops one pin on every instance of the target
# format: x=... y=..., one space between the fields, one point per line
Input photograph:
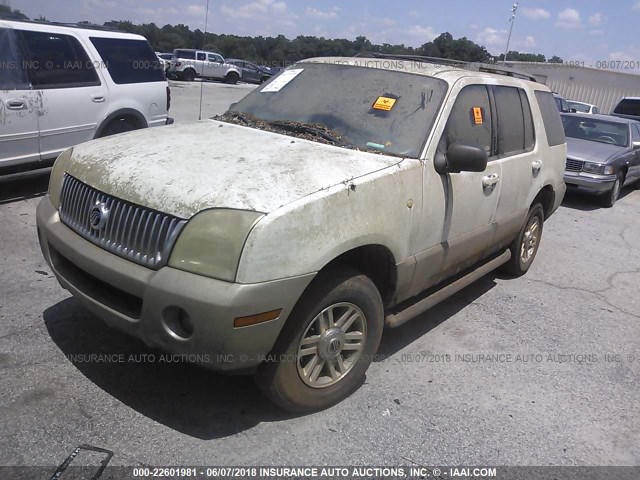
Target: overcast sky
x=590 y=30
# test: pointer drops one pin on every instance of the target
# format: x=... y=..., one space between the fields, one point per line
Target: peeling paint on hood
x=184 y=169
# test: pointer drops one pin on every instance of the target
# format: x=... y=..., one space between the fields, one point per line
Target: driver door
x=462 y=233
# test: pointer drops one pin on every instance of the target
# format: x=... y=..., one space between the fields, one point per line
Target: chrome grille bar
x=574 y=165
x=136 y=233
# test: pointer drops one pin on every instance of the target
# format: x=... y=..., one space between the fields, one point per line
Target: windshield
x=580 y=107
x=364 y=108
x=628 y=106
x=596 y=130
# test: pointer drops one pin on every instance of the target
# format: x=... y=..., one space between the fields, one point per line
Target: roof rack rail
x=472 y=66
x=87 y=26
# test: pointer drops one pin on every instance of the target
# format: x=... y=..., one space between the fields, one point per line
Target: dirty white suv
x=60 y=86
x=344 y=195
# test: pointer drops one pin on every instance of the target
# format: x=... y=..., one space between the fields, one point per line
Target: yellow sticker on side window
x=477 y=115
x=384 y=103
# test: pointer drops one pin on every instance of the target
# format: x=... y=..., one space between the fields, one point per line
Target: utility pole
x=512 y=20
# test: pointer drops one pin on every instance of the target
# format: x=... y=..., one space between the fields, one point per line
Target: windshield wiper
x=318 y=130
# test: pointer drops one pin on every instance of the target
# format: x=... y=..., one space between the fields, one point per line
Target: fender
x=118 y=113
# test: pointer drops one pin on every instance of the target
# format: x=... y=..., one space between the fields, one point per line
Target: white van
x=61 y=86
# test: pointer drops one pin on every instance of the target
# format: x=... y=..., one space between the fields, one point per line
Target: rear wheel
x=525 y=246
x=611 y=197
x=119 y=125
x=326 y=345
x=232 y=78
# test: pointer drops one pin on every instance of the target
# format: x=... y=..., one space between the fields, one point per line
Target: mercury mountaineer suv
x=342 y=196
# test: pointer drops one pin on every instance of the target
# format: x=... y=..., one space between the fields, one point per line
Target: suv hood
x=182 y=170
x=589 y=151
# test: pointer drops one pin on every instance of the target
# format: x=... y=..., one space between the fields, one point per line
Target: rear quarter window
x=550 y=118
x=129 y=61
x=185 y=54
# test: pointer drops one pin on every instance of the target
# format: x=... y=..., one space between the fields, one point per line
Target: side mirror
x=636 y=145
x=462 y=158
x=573 y=110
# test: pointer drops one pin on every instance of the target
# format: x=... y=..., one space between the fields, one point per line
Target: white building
x=601 y=87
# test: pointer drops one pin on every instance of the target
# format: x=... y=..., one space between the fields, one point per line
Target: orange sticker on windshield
x=384 y=103
x=477 y=115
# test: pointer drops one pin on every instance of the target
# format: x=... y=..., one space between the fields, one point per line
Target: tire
x=525 y=246
x=189 y=75
x=288 y=378
x=611 y=197
x=119 y=125
x=232 y=78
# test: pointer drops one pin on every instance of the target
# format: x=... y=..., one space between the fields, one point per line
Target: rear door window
x=515 y=134
x=129 y=61
x=57 y=61
x=550 y=118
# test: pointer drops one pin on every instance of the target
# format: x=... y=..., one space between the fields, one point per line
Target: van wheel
x=232 y=78
x=119 y=125
x=189 y=75
x=611 y=197
x=327 y=344
x=525 y=246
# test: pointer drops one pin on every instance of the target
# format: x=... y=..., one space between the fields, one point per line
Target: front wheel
x=326 y=345
x=611 y=197
x=525 y=246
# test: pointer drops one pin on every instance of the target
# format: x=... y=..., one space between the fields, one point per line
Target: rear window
x=628 y=106
x=551 y=118
x=129 y=61
x=186 y=54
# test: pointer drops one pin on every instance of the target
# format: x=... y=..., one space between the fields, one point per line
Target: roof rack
x=473 y=66
x=87 y=26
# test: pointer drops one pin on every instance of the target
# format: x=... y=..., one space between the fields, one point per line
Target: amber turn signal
x=258 y=318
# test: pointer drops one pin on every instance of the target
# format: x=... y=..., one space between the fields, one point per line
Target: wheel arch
x=376 y=261
x=546 y=197
x=126 y=113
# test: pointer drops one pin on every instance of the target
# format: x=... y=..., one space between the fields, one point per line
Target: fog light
x=178 y=322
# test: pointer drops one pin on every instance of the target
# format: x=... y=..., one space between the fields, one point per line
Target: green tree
x=9 y=14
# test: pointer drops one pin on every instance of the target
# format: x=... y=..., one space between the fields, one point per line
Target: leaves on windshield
x=309 y=131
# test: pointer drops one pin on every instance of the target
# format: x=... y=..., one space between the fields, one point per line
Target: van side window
x=515 y=123
x=57 y=61
x=550 y=118
x=470 y=119
x=12 y=73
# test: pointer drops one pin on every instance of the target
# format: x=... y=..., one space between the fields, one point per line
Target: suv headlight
x=212 y=241
x=57 y=174
x=598 y=168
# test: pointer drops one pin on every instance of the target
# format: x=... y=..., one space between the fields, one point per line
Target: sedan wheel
x=611 y=197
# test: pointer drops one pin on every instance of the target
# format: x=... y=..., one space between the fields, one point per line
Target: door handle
x=536 y=165
x=97 y=98
x=17 y=104
x=490 y=180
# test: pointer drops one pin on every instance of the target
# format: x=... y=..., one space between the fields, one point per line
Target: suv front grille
x=137 y=233
x=574 y=165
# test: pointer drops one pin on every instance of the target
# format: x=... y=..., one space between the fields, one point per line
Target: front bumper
x=589 y=182
x=143 y=302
